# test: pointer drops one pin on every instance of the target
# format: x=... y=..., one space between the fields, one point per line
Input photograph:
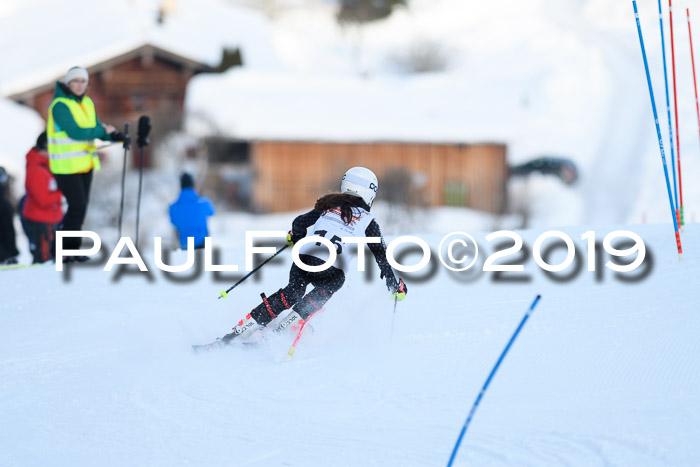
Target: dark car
x=561 y=167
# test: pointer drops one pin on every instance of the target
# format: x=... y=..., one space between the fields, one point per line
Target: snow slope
x=98 y=370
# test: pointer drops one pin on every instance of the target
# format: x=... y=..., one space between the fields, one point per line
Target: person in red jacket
x=41 y=208
x=8 y=246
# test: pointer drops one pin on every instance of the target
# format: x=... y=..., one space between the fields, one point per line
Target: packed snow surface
x=96 y=368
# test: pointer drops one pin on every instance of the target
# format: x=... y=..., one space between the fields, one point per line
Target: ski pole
x=144 y=130
x=658 y=134
x=138 y=199
x=224 y=294
x=393 y=316
x=488 y=380
x=121 y=205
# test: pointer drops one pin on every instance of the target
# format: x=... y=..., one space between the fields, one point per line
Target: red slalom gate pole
x=658 y=131
x=290 y=354
x=679 y=195
x=692 y=60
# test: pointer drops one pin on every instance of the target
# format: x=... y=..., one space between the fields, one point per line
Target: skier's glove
x=292 y=238
x=401 y=291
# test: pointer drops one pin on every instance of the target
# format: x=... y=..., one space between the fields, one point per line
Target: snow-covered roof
x=96 y=63
x=295 y=106
x=41 y=39
x=511 y=75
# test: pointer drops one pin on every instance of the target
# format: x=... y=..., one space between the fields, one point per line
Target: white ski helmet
x=362 y=182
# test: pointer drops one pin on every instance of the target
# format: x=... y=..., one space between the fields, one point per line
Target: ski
x=223 y=342
x=202 y=347
x=281 y=324
x=220 y=343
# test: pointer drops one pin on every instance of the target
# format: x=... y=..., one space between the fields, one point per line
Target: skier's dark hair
x=347 y=204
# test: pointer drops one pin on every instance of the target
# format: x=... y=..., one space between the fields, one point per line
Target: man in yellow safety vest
x=71 y=128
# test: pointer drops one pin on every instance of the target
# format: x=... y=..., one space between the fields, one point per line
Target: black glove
x=144 y=130
x=117 y=136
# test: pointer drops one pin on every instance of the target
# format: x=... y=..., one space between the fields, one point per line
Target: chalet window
x=456 y=193
x=228 y=151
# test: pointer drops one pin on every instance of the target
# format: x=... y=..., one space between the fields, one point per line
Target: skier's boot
x=290 y=323
x=244 y=331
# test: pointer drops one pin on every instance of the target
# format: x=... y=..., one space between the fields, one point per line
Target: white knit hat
x=76 y=72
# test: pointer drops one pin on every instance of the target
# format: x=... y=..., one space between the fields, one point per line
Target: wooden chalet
x=278 y=176
x=146 y=80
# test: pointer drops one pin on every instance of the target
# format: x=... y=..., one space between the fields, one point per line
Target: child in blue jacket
x=189 y=213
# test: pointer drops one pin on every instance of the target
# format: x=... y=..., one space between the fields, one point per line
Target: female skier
x=337 y=215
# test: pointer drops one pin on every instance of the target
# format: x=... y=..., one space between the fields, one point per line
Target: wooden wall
x=292 y=175
x=123 y=91
x=130 y=89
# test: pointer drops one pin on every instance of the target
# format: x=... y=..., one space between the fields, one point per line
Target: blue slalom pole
x=658 y=131
x=668 y=108
x=488 y=380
